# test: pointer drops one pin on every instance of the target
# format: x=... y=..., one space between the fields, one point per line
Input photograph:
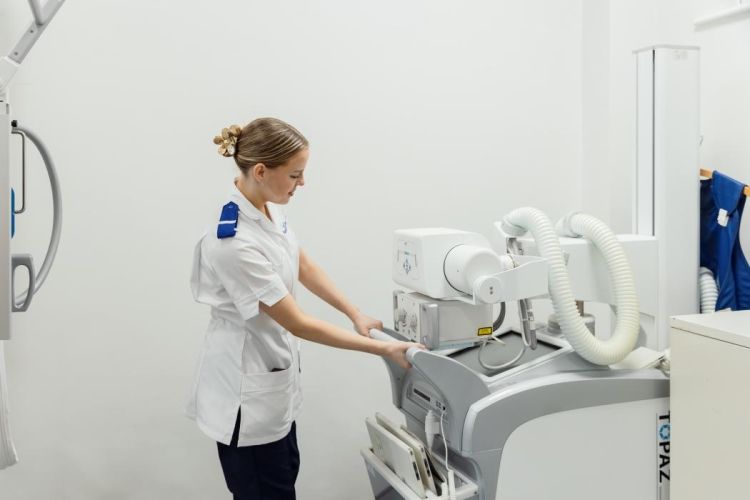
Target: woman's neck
x=252 y=195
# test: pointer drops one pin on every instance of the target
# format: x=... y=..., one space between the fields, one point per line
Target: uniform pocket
x=266 y=404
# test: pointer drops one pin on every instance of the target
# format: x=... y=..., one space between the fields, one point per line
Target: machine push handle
x=27 y=261
x=381 y=335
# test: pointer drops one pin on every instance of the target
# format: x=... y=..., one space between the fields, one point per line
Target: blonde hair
x=269 y=141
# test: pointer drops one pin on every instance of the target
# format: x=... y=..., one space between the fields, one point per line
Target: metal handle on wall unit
x=15 y=131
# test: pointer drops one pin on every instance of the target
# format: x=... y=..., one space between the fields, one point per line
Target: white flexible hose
x=625 y=336
x=709 y=291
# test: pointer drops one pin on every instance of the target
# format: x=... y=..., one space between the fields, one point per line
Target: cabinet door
x=710 y=391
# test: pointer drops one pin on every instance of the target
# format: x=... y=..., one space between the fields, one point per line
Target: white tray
x=465 y=488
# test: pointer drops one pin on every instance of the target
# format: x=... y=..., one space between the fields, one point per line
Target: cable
x=451 y=477
x=495 y=327
x=500 y=318
x=488 y=366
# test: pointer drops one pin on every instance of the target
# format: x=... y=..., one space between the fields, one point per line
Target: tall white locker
x=710 y=406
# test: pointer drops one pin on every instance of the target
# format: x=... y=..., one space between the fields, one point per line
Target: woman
x=247 y=394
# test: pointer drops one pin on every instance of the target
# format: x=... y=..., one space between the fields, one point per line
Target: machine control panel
x=440 y=324
x=406 y=263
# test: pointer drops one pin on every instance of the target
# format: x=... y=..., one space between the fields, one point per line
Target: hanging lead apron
x=722 y=202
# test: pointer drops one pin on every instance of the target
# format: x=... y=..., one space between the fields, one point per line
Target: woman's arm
x=287 y=313
x=315 y=279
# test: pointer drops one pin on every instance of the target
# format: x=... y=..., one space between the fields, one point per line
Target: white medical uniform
x=248 y=360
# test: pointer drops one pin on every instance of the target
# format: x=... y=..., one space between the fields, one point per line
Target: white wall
x=419 y=113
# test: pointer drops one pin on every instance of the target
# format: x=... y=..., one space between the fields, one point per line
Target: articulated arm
x=42 y=17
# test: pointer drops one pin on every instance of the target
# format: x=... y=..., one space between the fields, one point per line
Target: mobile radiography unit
x=554 y=412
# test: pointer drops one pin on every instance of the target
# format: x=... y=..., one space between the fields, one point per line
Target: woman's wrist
x=352 y=313
x=379 y=347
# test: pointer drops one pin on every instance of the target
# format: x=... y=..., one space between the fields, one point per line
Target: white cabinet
x=710 y=406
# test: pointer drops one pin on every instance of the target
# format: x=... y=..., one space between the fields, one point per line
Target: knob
x=400 y=315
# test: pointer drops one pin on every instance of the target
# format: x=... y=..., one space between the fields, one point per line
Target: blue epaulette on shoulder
x=228 y=222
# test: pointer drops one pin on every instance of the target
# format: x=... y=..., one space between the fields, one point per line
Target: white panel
x=589 y=276
x=676 y=211
x=587 y=454
x=644 y=178
x=710 y=415
x=667 y=203
x=4 y=221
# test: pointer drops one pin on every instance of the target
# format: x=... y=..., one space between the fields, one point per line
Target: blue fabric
x=720 y=244
x=228 y=221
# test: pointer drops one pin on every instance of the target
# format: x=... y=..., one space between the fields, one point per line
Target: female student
x=247 y=390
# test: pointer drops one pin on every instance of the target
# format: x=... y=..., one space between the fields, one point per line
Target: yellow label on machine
x=487 y=330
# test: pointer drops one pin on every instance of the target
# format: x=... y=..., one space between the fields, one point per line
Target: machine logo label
x=663 y=435
x=664 y=431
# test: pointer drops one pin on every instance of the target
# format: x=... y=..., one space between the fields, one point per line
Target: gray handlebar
x=381 y=335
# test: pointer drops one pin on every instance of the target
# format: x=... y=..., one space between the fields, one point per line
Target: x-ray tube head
x=472 y=269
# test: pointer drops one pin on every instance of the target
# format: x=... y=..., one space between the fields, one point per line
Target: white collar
x=252 y=211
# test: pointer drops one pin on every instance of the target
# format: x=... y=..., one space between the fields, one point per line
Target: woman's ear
x=258 y=171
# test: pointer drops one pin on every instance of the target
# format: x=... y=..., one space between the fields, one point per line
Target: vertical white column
x=667 y=169
x=5 y=215
x=643 y=217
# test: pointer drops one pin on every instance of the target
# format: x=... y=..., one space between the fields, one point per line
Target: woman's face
x=280 y=183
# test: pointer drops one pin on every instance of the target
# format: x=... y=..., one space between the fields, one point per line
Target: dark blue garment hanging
x=722 y=202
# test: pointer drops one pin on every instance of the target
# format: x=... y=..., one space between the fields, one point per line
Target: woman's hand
x=363 y=323
x=396 y=352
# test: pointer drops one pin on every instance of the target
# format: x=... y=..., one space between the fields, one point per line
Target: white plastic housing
x=472 y=270
x=5 y=215
x=419 y=258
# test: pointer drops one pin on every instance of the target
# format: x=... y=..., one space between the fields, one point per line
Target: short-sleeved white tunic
x=248 y=360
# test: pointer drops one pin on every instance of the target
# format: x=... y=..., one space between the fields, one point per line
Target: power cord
x=451 y=477
x=495 y=327
x=433 y=425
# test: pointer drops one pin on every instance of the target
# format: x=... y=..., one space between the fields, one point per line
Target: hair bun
x=227 y=141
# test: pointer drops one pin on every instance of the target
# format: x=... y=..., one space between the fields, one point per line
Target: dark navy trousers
x=261 y=472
